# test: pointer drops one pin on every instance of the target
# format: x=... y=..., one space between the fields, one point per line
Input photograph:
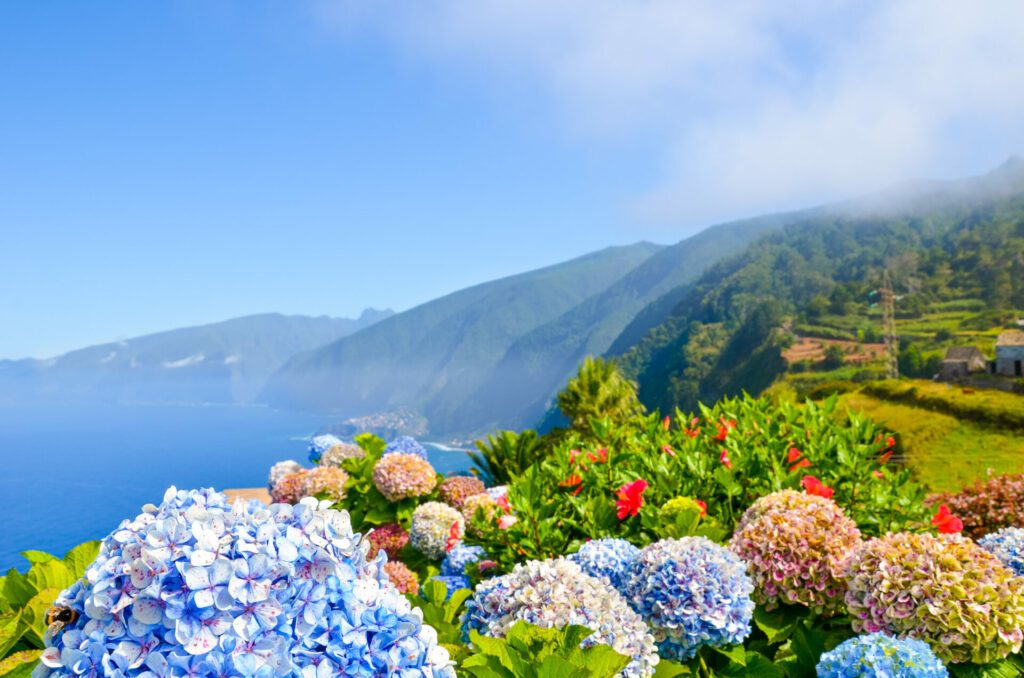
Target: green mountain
x=725 y=332
x=225 y=362
x=538 y=363
x=433 y=359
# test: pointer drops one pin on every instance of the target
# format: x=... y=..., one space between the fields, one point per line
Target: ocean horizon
x=72 y=473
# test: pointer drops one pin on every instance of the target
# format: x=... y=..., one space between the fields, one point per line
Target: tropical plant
x=505 y=455
x=598 y=391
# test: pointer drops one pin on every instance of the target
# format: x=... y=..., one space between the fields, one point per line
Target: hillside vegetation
x=948 y=245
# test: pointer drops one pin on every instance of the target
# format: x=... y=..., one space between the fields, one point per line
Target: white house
x=1010 y=354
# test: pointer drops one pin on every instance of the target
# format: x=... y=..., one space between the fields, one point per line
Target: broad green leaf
x=667 y=668
x=778 y=624
x=18 y=590
x=37 y=556
x=19 y=664
x=33 y=615
x=10 y=632
x=755 y=664
x=80 y=557
x=1000 y=669
x=53 y=574
x=735 y=653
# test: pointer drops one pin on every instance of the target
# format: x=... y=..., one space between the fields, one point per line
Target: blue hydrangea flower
x=454 y=583
x=320 y=444
x=195 y=587
x=1008 y=546
x=612 y=559
x=877 y=655
x=691 y=592
x=454 y=564
x=555 y=594
x=405 y=445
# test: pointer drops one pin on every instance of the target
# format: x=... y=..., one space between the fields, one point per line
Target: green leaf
x=81 y=557
x=19 y=664
x=37 y=556
x=10 y=632
x=667 y=668
x=17 y=589
x=778 y=624
x=1004 y=668
x=53 y=574
x=735 y=653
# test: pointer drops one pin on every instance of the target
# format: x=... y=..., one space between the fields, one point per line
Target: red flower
x=728 y=423
x=502 y=501
x=600 y=457
x=572 y=456
x=814 y=486
x=484 y=565
x=724 y=458
x=803 y=463
x=630 y=498
x=667 y=449
x=666 y=422
x=454 y=535
x=885 y=457
x=692 y=432
x=577 y=491
x=572 y=481
x=890 y=442
x=703 y=507
x=946 y=522
x=723 y=433
x=793 y=455
x=878 y=474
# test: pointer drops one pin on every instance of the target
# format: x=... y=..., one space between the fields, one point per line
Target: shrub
x=455 y=490
x=390 y=539
x=290 y=489
x=989 y=506
x=336 y=455
x=795 y=545
x=1008 y=546
x=251 y=590
x=320 y=444
x=325 y=481
x=404 y=579
x=435 y=527
x=609 y=559
x=405 y=445
x=280 y=470
x=557 y=594
x=942 y=589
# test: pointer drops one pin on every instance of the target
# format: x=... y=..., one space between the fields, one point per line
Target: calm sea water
x=68 y=475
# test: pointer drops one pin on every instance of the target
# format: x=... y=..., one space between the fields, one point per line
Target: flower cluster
x=280 y=470
x=555 y=594
x=941 y=589
x=483 y=503
x=610 y=559
x=405 y=445
x=404 y=579
x=400 y=476
x=320 y=444
x=691 y=592
x=498 y=493
x=390 y=539
x=290 y=489
x=336 y=455
x=197 y=587
x=988 y=506
x=454 y=564
x=327 y=480
x=1008 y=546
x=795 y=545
x=432 y=526
x=456 y=490
x=877 y=655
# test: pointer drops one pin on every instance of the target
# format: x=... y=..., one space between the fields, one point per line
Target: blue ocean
x=71 y=474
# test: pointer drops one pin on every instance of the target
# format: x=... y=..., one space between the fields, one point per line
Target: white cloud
x=109 y=357
x=184 y=362
x=756 y=105
x=232 y=359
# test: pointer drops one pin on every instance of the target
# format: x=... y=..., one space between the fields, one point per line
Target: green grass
x=983 y=406
x=944 y=453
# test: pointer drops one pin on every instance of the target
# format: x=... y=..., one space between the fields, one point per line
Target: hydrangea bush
x=482 y=505
x=390 y=539
x=555 y=594
x=290 y=489
x=1008 y=546
x=692 y=593
x=942 y=589
x=405 y=445
x=433 y=527
x=404 y=579
x=280 y=470
x=455 y=490
x=400 y=476
x=197 y=587
x=795 y=545
x=326 y=480
x=458 y=557
x=877 y=655
x=320 y=444
x=611 y=559
x=336 y=456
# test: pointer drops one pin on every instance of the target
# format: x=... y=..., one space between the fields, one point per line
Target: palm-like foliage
x=506 y=454
x=598 y=391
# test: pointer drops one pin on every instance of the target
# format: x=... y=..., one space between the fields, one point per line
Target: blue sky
x=167 y=164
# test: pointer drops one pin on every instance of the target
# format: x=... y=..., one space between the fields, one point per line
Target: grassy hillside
x=434 y=358
x=948 y=245
x=947 y=452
